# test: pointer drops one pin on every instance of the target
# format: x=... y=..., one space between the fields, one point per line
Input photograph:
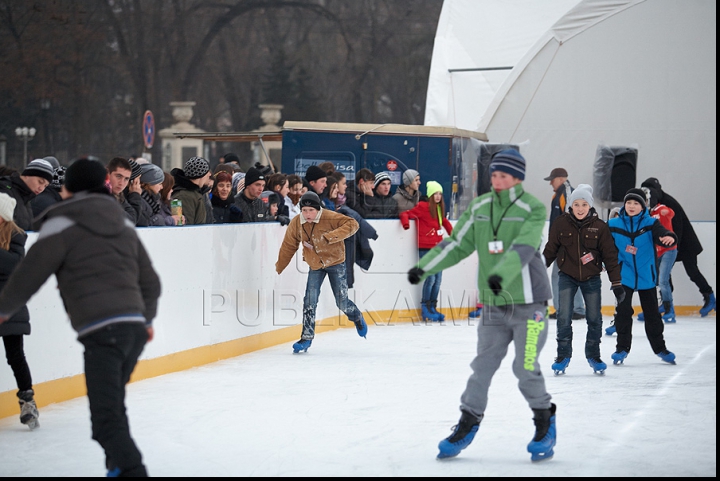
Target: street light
x=25 y=134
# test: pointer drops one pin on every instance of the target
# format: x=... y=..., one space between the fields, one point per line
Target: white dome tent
x=640 y=73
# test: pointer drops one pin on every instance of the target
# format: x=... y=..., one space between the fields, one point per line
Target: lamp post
x=25 y=134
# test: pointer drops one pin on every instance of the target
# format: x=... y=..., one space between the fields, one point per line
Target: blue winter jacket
x=638 y=233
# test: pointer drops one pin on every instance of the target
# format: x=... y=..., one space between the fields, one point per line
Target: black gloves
x=283 y=219
x=494 y=283
x=619 y=293
x=414 y=275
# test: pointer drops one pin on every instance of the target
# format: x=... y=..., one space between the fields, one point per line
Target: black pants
x=15 y=355
x=654 y=326
x=110 y=357
x=691 y=267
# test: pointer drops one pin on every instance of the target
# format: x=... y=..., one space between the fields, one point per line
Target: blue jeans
x=666 y=263
x=431 y=286
x=338 y=282
x=579 y=304
x=590 y=289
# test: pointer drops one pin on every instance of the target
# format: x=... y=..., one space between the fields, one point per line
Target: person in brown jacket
x=321 y=233
x=581 y=242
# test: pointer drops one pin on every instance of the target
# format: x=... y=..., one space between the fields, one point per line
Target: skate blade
x=559 y=373
x=537 y=457
x=599 y=373
x=34 y=424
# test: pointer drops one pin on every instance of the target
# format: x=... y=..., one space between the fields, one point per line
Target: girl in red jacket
x=432 y=226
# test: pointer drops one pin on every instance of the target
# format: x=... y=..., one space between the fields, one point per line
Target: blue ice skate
x=541 y=447
x=361 y=327
x=476 y=313
x=641 y=316
x=560 y=364
x=619 y=356
x=302 y=345
x=708 y=305
x=669 y=316
x=463 y=434
x=667 y=356
x=433 y=308
x=427 y=313
x=610 y=330
x=597 y=365
x=113 y=473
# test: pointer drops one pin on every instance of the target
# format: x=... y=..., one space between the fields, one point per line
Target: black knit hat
x=39 y=168
x=509 y=161
x=314 y=173
x=638 y=195
x=310 y=199
x=252 y=176
x=85 y=174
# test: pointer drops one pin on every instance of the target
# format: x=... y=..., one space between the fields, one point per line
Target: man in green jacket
x=505 y=227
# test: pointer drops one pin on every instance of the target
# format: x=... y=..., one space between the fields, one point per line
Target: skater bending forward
x=581 y=243
x=636 y=233
x=505 y=227
x=321 y=233
x=110 y=308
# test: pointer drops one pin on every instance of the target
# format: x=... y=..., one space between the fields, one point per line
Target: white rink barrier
x=221 y=297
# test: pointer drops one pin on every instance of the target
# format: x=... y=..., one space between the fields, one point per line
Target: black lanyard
x=311 y=232
x=496 y=229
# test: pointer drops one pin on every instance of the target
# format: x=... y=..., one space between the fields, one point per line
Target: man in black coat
x=111 y=308
x=689 y=247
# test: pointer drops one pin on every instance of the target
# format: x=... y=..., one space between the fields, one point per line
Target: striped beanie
x=135 y=170
x=39 y=168
x=381 y=176
x=509 y=161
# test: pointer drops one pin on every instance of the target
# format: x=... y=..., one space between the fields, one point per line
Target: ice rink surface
x=379 y=406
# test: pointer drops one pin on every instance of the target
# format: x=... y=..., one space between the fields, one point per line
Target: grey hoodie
x=103 y=271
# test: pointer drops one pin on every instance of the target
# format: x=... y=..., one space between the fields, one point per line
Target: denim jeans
x=590 y=289
x=431 y=286
x=579 y=304
x=338 y=282
x=666 y=263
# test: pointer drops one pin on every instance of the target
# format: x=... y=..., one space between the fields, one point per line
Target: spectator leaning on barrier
x=385 y=207
x=120 y=173
x=151 y=183
x=316 y=179
x=360 y=192
x=223 y=203
x=190 y=187
x=249 y=200
x=407 y=195
x=51 y=194
x=292 y=200
x=342 y=189
x=111 y=309
x=165 y=196
x=25 y=187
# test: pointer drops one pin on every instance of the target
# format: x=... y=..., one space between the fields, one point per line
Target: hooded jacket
x=569 y=240
x=103 y=271
x=322 y=240
x=191 y=196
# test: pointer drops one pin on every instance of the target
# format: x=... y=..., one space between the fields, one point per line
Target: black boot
x=463 y=434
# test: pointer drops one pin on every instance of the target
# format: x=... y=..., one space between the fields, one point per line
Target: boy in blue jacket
x=636 y=232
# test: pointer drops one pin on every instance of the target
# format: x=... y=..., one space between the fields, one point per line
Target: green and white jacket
x=513 y=217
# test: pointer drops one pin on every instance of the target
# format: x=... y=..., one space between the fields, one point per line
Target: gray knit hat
x=39 y=168
x=310 y=199
x=409 y=175
x=196 y=167
x=151 y=174
x=584 y=192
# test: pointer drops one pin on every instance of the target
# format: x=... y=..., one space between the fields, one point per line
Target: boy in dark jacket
x=111 y=309
x=636 y=232
x=582 y=244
